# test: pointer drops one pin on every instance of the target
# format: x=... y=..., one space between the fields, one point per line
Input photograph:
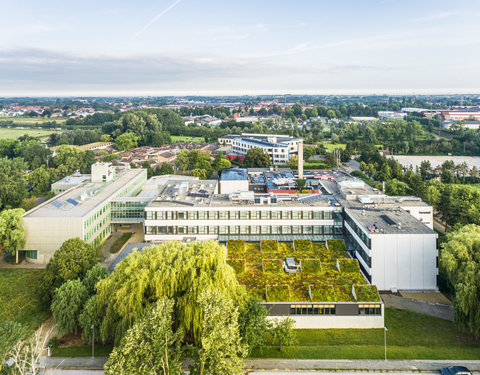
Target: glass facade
x=369 y=310
x=128 y=212
x=358 y=231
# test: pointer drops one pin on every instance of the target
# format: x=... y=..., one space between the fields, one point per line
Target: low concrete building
x=83 y=211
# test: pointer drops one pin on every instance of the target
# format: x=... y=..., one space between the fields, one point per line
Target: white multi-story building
x=279 y=147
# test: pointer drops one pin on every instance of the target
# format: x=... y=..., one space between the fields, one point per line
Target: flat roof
x=234 y=174
x=73 y=179
x=70 y=203
x=387 y=221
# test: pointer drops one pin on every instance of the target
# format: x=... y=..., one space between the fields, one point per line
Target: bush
x=238 y=265
x=278 y=293
x=236 y=248
x=268 y=246
x=67 y=305
x=272 y=266
x=311 y=266
x=303 y=245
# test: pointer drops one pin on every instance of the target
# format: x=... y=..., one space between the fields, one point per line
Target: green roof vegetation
x=327 y=273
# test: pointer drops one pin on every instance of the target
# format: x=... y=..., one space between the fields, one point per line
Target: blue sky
x=163 y=47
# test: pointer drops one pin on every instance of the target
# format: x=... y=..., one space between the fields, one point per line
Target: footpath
x=88 y=363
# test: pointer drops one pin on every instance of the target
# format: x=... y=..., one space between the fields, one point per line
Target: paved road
x=437 y=310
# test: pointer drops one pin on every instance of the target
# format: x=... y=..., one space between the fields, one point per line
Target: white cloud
x=435 y=16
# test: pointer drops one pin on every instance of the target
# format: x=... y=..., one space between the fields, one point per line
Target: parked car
x=456 y=370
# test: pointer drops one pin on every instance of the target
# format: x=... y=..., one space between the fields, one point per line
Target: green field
x=333 y=146
x=18 y=298
x=409 y=336
x=15 y=133
x=183 y=138
x=32 y=120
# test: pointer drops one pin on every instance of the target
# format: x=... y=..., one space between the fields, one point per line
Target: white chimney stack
x=300 y=158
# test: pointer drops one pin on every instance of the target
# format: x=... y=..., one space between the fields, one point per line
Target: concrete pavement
x=437 y=310
x=88 y=363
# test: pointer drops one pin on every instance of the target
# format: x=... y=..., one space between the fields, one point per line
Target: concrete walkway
x=433 y=309
x=288 y=364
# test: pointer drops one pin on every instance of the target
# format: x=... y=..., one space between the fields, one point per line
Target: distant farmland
x=32 y=132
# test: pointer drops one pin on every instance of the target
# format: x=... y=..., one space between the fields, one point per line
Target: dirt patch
x=71 y=339
x=430 y=297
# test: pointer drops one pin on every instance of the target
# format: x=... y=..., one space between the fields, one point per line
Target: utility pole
x=385 y=340
x=93 y=340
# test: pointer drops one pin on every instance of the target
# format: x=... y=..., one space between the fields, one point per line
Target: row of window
x=238 y=215
x=331 y=310
x=244 y=229
x=363 y=236
x=312 y=309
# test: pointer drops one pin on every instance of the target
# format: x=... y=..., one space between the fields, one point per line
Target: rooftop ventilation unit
x=388 y=219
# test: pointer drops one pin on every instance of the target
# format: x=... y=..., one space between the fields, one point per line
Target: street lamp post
x=93 y=340
x=385 y=340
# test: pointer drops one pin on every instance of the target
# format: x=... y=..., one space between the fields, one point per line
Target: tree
x=425 y=168
x=257 y=158
x=253 y=325
x=173 y=270
x=308 y=152
x=183 y=160
x=12 y=233
x=38 y=181
x=12 y=182
x=200 y=173
x=166 y=168
x=93 y=276
x=283 y=332
x=146 y=165
x=10 y=333
x=300 y=184
x=385 y=173
x=70 y=262
x=91 y=316
x=395 y=187
x=67 y=304
x=126 y=141
x=221 y=350
x=150 y=346
x=459 y=257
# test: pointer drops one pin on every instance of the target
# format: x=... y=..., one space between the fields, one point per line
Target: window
x=312 y=309
x=369 y=309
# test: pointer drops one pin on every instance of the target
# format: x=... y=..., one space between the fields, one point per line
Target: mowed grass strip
x=18 y=298
x=184 y=138
x=410 y=336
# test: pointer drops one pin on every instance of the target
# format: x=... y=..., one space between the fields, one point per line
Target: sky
x=228 y=47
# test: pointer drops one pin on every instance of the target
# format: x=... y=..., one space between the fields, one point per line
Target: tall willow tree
x=461 y=259
x=174 y=270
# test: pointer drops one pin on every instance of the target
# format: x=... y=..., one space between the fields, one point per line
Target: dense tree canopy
x=12 y=233
x=150 y=346
x=173 y=270
x=257 y=158
x=67 y=304
x=70 y=262
x=460 y=257
x=12 y=182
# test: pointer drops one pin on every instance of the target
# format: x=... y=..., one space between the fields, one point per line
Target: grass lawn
x=409 y=336
x=32 y=120
x=15 y=132
x=333 y=146
x=18 y=299
x=183 y=138
x=120 y=242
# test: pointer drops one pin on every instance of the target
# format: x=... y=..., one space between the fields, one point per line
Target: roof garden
x=325 y=271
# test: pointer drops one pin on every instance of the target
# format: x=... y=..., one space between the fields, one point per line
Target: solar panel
x=72 y=201
x=57 y=204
